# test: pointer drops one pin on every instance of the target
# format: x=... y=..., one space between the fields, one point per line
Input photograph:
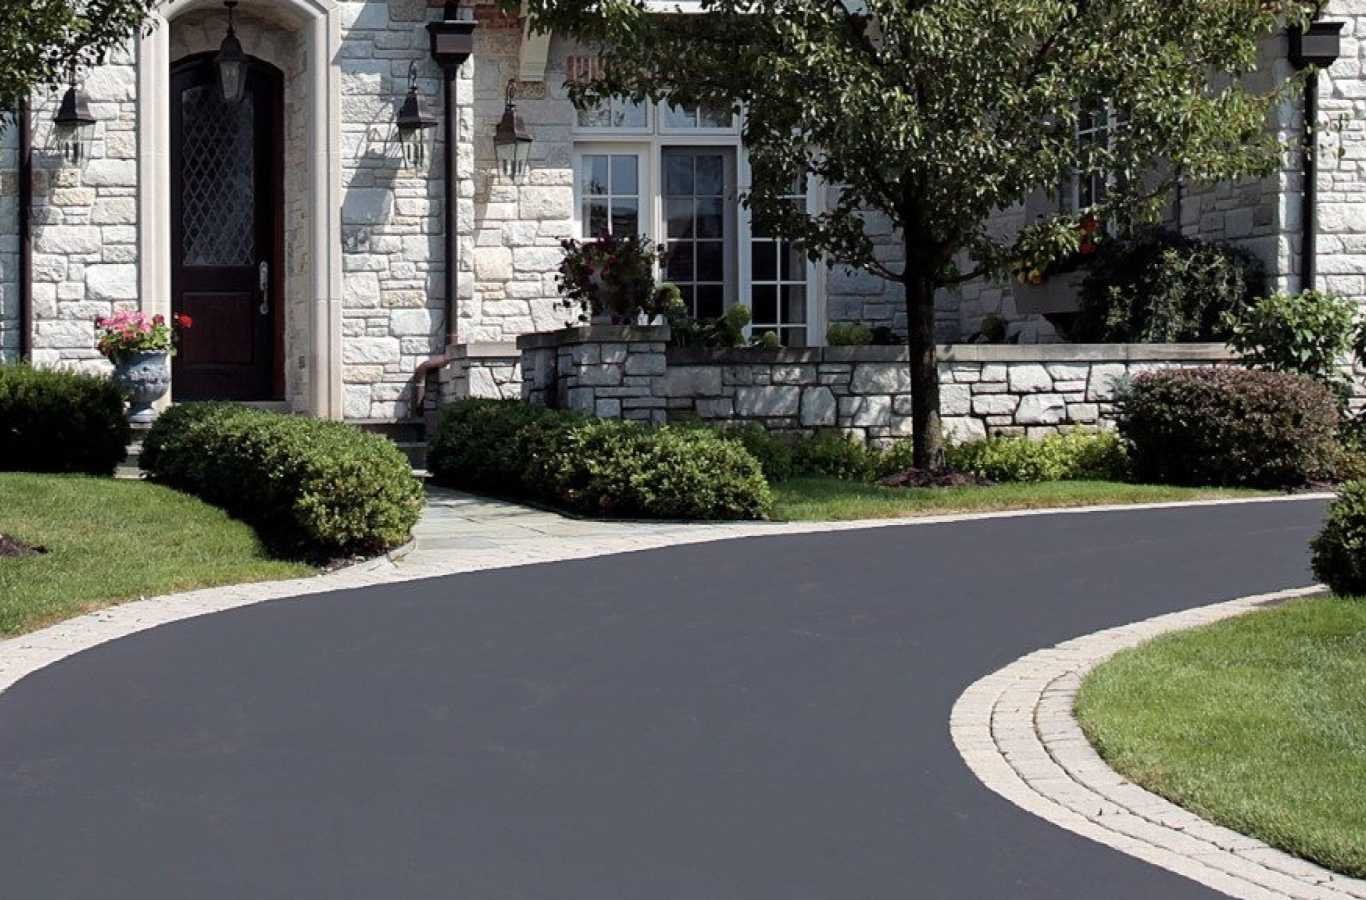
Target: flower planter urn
x=144 y=378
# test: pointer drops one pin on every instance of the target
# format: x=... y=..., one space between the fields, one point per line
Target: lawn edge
x=1016 y=731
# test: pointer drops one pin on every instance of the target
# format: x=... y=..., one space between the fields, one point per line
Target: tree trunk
x=927 y=440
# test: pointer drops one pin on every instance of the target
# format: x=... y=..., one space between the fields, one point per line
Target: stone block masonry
x=607 y=371
x=865 y=392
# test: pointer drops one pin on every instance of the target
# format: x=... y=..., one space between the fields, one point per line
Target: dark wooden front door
x=225 y=221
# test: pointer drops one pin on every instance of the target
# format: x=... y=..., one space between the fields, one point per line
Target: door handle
x=263 y=271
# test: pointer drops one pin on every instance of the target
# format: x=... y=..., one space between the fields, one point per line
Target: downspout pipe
x=25 y=229
x=1309 y=239
x=1314 y=47
x=452 y=40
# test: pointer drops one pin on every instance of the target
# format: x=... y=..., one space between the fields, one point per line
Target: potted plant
x=140 y=349
x=610 y=278
x=1051 y=267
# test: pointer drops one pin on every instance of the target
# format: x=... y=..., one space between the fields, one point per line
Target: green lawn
x=114 y=540
x=1258 y=723
x=826 y=499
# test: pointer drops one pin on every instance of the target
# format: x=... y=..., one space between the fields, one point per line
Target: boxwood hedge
x=599 y=467
x=310 y=487
x=60 y=421
x=1340 y=548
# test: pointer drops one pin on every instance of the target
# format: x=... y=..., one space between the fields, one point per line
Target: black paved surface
x=751 y=719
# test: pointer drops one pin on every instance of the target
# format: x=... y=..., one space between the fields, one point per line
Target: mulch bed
x=921 y=478
x=12 y=547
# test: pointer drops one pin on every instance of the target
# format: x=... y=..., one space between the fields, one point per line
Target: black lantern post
x=231 y=61
x=511 y=140
x=414 y=125
x=74 y=126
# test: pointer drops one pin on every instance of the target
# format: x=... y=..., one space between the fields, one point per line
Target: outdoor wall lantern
x=231 y=61
x=511 y=140
x=74 y=126
x=415 y=126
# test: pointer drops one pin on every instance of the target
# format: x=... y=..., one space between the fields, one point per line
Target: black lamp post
x=74 y=126
x=511 y=140
x=231 y=61
x=414 y=125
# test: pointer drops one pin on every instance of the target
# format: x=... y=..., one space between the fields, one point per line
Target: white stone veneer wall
x=518 y=227
x=393 y=264
x=1342 y=178
x=84 y=221
x=9 y=239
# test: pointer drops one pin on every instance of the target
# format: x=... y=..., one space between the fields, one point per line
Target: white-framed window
x=694 y=119
x=780 y=280
x=610 y=190
x=615 y=114
x=677 y=180
x=1087 y=189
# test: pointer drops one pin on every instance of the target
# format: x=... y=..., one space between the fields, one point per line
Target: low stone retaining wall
x=491 y=370
x=632 y=373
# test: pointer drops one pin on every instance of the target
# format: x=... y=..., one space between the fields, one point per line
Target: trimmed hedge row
x=1229 y=426
x=310 y=486
x=597 y=467
x=60 y=421
x=830 y=454
x=1075 y=456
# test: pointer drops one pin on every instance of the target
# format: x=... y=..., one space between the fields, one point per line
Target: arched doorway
x=226 y=196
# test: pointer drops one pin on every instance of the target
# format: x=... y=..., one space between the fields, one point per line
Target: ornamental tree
x=41 y=39
x=937 y=113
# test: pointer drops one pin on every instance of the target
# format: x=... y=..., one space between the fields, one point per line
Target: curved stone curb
x=22 y=655
x=1015 y=730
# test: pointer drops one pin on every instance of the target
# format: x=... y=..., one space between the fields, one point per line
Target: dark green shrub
x=773 y=452
x=595 y=466
x=1310 y=333
x=484 y=445
x=833 y=455
x=627 y=469
x=1229 y=426
x=60 y=421
x=309 y=486
x=848 y=334
x=1075 y=456
x=1339 y=550
x=1161 y=286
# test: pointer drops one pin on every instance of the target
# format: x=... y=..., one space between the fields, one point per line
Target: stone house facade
x=330 y=274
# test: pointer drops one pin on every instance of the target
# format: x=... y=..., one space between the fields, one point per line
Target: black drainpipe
x=1315 y=47
x=452 y=88
x=1309 y=250
x=25 y=229
x=452 y=42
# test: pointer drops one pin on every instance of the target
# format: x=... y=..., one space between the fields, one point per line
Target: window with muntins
x=674 y=174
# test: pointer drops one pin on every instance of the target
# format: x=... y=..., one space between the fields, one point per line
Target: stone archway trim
x=321 y=25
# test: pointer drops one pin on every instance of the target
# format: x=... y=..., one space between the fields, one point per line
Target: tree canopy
x=41 y=39
x=938 y=113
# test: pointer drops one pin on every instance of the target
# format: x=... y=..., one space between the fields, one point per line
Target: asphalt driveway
x=759 y=718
